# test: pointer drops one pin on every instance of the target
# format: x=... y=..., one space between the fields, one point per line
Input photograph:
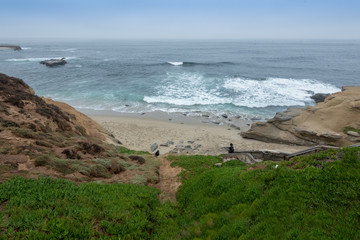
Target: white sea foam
x=64 y=50
x=275 y=91
x=26 y=48
x=69 y=50
x=188 y=89
x=176 y=63
x=36 y=59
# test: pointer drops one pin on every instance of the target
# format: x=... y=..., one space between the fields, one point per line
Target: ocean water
x=252 y=78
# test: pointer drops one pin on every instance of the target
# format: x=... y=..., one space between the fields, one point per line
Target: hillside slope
x=39 y=136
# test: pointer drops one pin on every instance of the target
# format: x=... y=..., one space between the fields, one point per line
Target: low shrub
x=43 y=144
x=7 y=123
x=24 y=133
x=139 y=159
x=42 y=161
x=99 y=171
x=81 y=130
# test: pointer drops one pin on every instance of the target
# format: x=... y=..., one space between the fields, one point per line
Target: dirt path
x=169 y=180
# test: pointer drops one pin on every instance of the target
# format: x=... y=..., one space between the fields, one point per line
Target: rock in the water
x=54 y=62
x=154 y=147
x=13 y=47
x=319 y=97
x=224 y=115
x=353 y=134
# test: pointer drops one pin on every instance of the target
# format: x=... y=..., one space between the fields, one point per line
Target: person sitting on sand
x=157 y=153
x=231 y=148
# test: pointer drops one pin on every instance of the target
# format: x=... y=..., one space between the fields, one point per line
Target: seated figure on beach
x=157 y=153
x=231 y=148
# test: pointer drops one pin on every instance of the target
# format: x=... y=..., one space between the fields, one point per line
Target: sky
x=180 y=19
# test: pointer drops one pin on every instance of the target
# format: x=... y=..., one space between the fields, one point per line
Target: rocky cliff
x=39 y=136
x=336 y=122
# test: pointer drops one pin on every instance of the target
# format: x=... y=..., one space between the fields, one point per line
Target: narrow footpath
x=169 y=180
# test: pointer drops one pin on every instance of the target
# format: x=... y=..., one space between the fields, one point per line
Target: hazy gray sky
x=185 y=19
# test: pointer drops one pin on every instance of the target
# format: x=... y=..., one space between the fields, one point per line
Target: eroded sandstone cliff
x=336 y=121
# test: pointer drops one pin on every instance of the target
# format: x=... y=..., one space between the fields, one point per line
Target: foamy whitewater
x=254 y=78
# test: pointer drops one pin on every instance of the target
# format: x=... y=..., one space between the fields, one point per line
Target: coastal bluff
x=335 y=122
x=42 y=137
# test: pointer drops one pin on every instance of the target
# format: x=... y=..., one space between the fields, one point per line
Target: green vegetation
x=194 y=165
x=23 y=132
x=58 y=209
x=43 y=144
x=5 y=147
x=125 y=150
x=348 y=128
x=7 y=123
x=308 y=197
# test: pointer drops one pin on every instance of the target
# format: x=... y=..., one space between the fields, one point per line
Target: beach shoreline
x=180 y=134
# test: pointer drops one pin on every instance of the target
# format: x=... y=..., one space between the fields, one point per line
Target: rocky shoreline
x=335 y=122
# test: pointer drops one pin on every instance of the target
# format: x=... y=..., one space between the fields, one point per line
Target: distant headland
x=13 y=47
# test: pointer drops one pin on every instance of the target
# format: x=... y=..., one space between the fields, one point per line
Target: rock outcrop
x=13 y=47
x=324 y=123
x=54 y=62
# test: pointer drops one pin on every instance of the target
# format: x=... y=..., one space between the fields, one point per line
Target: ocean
x=248 y=78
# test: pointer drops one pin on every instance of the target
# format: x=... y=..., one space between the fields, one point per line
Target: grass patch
x=348 y=128
x=124 y=150
x=58 y=209
x=194 y=165
x=228 y=202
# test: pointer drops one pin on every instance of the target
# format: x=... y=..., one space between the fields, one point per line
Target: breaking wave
x=196 y=63
x=188 y=89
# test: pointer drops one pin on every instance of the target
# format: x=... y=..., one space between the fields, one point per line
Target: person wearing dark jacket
x=231 y=148
x=157 y=153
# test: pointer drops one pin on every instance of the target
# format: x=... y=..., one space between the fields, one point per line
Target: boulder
x=353 y=134
x=154 y=147
x=319 y=97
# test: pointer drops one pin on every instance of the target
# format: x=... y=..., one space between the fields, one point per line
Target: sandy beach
x=181 y=134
